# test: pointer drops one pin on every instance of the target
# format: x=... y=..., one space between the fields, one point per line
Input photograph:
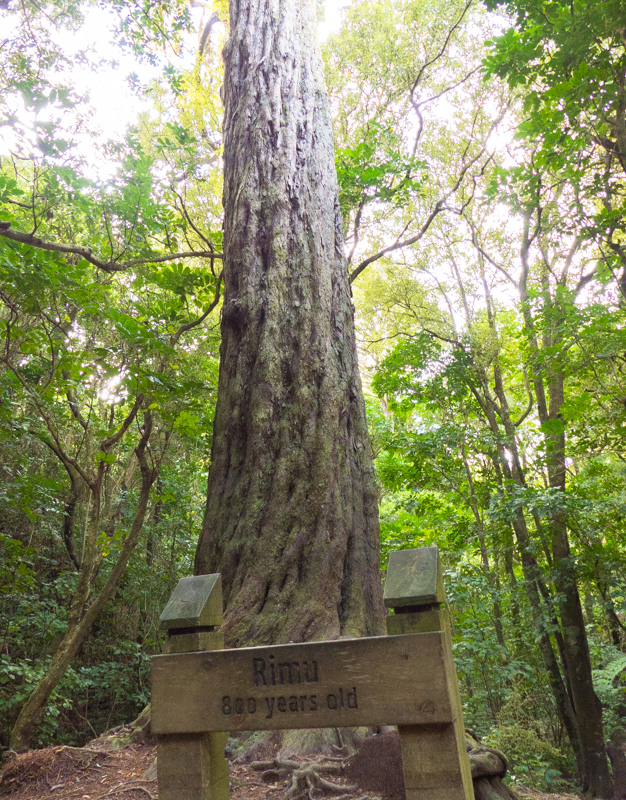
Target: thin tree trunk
x=541 y=615
x=533 y=579
x=80 y=621
x=614 y=626
x=490 y=577
x=512 y=580
x=586 y=703
x=291 y=518
x=582 y=730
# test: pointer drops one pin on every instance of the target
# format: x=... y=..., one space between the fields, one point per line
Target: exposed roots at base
x=307 y=781
x=307 y=778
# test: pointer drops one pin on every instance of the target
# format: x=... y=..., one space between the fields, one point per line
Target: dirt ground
x=529 y=794
x=91 y=773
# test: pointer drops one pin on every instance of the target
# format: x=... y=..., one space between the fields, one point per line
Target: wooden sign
x=374 y=681
x=201 y=691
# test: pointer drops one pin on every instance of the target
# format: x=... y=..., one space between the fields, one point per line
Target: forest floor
x=91 y=773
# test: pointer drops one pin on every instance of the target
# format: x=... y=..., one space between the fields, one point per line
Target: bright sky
x=115 y=106
x=332 y=17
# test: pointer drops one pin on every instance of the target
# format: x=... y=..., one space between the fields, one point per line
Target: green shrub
x=525 y=738
x=609 y=680
x=532 y=760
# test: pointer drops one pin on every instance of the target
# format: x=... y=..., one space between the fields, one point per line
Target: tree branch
x=399 y=244
x=439 y=206
x=87 y=254
x=114 y=439
x=194 y=323
x=442 y=50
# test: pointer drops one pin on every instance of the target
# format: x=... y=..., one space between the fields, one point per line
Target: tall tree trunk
x=549 y=388
x=586 y=735
x=543 y=622
x=586 y=702
x=513 y=473
x=291 y=518
x=511 y=578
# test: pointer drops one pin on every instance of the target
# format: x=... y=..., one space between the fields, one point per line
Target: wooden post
x=192 y=766
x=435 y=761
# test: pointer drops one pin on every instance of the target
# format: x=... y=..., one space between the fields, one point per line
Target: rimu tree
x=291 y=517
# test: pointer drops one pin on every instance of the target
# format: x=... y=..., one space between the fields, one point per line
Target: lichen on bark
x=291 y=519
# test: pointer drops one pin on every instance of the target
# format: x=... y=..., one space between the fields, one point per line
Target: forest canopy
x=481 y=157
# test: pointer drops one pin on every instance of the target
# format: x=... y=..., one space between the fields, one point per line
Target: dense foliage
x=481 y=153
x=109 y=370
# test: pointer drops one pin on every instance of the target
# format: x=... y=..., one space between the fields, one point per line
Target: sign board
x=200 y=691
x=381 y=680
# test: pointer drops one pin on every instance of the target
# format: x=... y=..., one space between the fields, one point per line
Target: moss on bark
x=291 y=519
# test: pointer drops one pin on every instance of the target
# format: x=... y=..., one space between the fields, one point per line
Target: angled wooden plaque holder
x=407 y=678
x=192 y=766
x=435 y=761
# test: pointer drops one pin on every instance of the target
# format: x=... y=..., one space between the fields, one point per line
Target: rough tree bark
x=291 y=518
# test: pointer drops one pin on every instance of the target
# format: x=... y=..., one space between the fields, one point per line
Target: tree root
x=307 y=779
x=118 y=790
x=81 y=751
x=493 y=789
